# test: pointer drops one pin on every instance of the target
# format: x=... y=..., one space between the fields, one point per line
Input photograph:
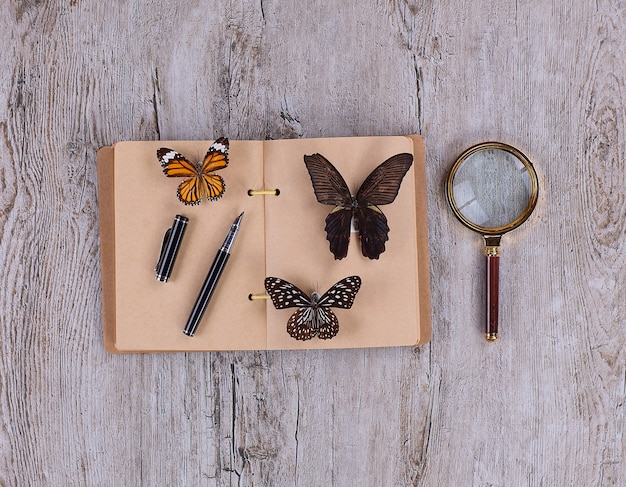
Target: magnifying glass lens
x=492 y=188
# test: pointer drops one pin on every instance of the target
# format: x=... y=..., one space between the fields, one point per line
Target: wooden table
x=542 y=406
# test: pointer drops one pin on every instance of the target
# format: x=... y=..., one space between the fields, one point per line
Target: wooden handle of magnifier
x=493 y=270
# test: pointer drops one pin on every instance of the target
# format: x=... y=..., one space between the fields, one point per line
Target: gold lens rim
x=534 y=190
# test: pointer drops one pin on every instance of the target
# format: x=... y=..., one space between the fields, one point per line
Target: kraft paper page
x=151 y=315
x=386 y=308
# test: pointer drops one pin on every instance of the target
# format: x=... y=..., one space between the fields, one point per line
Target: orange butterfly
x=200 y=182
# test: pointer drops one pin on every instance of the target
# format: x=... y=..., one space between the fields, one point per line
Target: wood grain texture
x=542 y=406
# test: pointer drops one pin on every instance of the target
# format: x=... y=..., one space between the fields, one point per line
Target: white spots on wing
x=170 y=156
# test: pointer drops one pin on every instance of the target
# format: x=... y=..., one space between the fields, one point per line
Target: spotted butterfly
x=313 y=316
x=201 y=182
x=379 y=188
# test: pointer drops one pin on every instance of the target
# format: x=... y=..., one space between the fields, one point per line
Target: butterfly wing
x=327 y=322
x=379 y=188
x=341 y=294
x=331 y=189
x=191 y=191
x=174 y=165
x=329 y=186
x=301 y=324
x=338 y=231
x=373 y=230
x=285 y=295
x=382 y=185
x=215 y=159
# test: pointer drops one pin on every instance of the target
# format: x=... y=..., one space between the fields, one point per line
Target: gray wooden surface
x=543 y=406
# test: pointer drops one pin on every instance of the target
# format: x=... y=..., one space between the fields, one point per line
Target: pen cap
x=169 y=249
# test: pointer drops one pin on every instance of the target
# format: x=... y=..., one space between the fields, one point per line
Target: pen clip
x=166 y=239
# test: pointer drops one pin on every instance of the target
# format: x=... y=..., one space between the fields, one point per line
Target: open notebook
x=281 y=236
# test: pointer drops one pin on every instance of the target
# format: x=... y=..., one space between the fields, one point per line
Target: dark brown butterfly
x=379 y=188
x=313 y=316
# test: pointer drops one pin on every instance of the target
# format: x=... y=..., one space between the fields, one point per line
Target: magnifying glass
x=492 y=188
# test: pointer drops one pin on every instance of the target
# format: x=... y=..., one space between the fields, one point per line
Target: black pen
x=211 y=279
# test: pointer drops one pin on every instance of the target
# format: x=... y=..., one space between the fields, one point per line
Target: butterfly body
x=313 y=316
x=379 y=188
x=200 y=182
